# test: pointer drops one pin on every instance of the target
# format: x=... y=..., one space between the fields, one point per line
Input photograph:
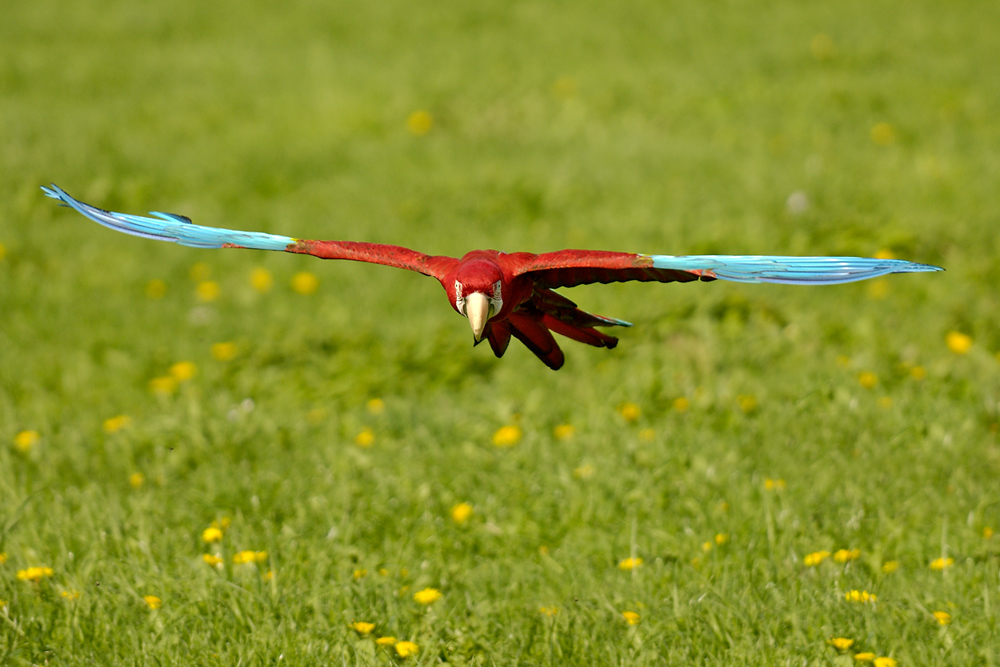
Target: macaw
x=512 y=294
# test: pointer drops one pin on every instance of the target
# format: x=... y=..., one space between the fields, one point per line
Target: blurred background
x=767 y=127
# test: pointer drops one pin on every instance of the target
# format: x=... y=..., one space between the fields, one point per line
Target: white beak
x=477 y=309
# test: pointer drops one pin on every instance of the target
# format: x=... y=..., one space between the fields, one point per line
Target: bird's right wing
x=179 y=229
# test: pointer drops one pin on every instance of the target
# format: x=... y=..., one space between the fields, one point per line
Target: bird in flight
x=512 y=294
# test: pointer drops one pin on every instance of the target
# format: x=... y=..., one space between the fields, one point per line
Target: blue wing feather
x=789 y=270
x=738 y=268
x=171 y=227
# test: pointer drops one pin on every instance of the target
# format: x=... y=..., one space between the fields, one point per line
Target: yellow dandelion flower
x=156 y=289
x=212 y=560
x=365 y=438
x=846 y=555
x=747 y=403
x=631 y=617
x=774 y=484
x=222 y=524
x=419 y=123
x=405 y=649
x=563 y=432
x=840 y=643
x=883 y=134
x=383 y=572
x=211 y=534
x=207 y=291
x=815 y=558
x=225 y=351
x=878 y=289
x=200 y=271
x=958 y=342
x=386 y=641
x=427 y=596
x=115 y=424
x=507 y=436
x=681 y=404
x=890 y=566
x=26 y=440
x=35 y=574
x=564 y=88
x=721 y=538
x=70 y=595
x=548 y=611
x=183 y=371
x=584 y=472
x=630 y=412
x=942 y=563
x=885 y=253
x=249 y=556
x=987 y=533
x=261 y=280
x=360 y=573
x=3 y=557
x=152 y=602
x=864 y=657
x=885 y=662
x=375 y=406
x=821 y=47
x=268 y=576
x=305 y=283
x=942 y=617
x=918 y=373
x=136 y=480
x=163 y=385
x=706 y=546
x=647 y=435
x=3 y=605
x=461 y=512
x=860 y=596
x=868 y=380
x=629 y=564
x=362 y=627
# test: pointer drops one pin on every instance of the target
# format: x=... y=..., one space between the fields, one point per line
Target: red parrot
x=512 y=294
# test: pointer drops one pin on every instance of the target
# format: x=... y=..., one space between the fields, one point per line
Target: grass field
x=224 y=457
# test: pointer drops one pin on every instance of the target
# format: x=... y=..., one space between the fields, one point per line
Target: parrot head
x=478 y=294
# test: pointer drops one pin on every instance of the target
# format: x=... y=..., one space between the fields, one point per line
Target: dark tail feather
x=586 y=335
x=499 y=337
x=565 y=310
x=530 y=331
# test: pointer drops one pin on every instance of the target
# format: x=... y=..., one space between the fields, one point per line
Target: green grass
x=656 y=127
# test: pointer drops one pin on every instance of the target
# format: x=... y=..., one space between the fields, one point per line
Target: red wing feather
x=376 y=253
x=568 y=268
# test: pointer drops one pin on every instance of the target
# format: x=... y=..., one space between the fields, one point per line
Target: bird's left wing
x=567 y=268
x=179 y=229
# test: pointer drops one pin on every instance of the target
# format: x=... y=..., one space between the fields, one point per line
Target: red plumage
x=505 y=295
x=531 y=311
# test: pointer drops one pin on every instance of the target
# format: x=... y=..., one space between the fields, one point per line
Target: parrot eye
x=496 y=299
x=459 y=299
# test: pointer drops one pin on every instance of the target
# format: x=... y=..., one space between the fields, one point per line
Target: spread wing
x=179 y=229
x=567 y=268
